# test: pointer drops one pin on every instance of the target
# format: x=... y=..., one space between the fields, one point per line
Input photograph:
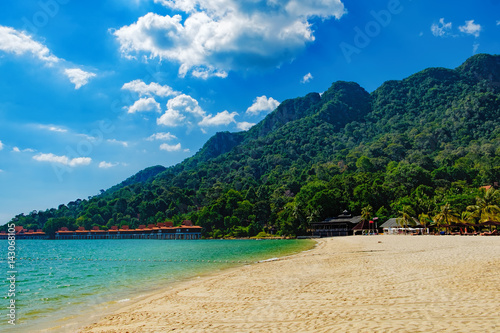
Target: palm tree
x=467 y=218
x=366 y=213
x=445 y=216
x=487 y=206
x=424 y=220
x=406 y=217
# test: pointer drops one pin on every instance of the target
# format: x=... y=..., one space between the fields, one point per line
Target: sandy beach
x=346 y=284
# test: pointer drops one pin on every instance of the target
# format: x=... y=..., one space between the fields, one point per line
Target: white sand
x=348 y=284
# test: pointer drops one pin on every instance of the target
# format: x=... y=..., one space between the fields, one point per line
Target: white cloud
x=185 y=103
x=221 y=118
x=1 y=145
x=144 y=105
x=53 y=128
x=442 y=29
x=471 y=28
x=151 y=89
x=211 y=38
x=19 y=43
x=78 y=77
x=107 y=165
x=171 y=118
x=263 y=104
x=308 y=77
x=170 y=148
x=161 y=136
x=79 y=161
x=205 y=73
x=27 y=150
x=177 y=109
x=123 y=143
x=244 y=126
x=475 y=46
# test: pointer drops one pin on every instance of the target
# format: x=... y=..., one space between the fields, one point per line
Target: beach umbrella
x=490 y=223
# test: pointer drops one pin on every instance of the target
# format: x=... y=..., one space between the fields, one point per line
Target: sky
x=92 y=92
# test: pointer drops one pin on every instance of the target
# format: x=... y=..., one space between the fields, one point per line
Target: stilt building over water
x=160 y=231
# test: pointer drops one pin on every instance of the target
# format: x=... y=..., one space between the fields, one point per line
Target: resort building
x=366 y=227
x=341 y=225
x=22 y=233
x=160 y=231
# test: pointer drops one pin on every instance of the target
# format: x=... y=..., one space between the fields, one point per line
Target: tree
x=54 y=224
x=446 y=216
x=487 y=206
x=364 y=164
x=366 y=213
x=407 y=218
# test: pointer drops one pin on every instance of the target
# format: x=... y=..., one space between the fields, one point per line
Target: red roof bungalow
x=113 y=229
x=97 y=230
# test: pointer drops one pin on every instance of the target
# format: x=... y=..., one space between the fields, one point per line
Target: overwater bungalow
x=22 y=233
x=164 y=230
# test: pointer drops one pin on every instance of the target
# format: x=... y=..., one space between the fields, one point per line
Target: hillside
x=414 y=144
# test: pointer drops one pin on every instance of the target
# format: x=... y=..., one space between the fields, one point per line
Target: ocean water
x=63 y=284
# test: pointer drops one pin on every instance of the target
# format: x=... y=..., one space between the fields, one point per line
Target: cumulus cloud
x=471 y=28
x=441 y=29
x=79 y=161
x=221 y=118
x=170 y=118
x=152 y=89
x=185 y=110
x=308 y=77
x=19 y=43
x=78 y=77
x=161 y=136
x=148 y=104
x=244 y=126
x=170 y=148
x=177 y=107
x=107 y=165
x=1 y=145
x=185 y=103
x=211 y=38
x=263 y=104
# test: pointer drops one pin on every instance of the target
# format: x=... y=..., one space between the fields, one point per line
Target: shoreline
x=96 y=312
x=357 y=283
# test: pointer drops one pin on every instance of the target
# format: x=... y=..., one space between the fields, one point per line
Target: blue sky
x=92 y=92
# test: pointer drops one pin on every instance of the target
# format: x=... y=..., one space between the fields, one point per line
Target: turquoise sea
x=63 y=284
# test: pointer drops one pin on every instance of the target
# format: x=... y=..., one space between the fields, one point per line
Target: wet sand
x=346 y=284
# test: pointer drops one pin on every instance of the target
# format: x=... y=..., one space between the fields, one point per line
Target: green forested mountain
x=410 y=146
